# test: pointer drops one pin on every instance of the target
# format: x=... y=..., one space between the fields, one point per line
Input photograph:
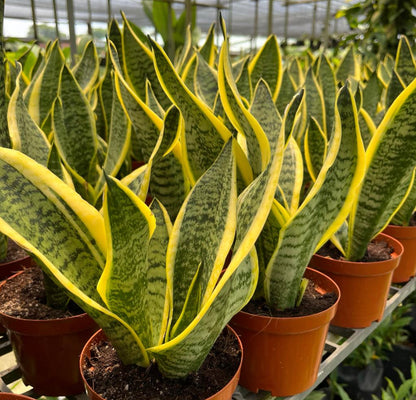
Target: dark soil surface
x=413 y=220
x=24 y=297
x=114 y=381
x=376 y=251
x=312 y=303
x=14 y=252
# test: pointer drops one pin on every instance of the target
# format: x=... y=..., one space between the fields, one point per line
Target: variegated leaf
x=391 y=157
x=405 y=63
x=314 y=99
x=211 y=205
x=267 y=64
x=123 y=284
x=25 y=134
x=243 y=81
x=66 y=234
x=405 y=212
x=323 y=210
x=138 y=61
x=348 y=66
x=371 y=94
x=87 y=69
x=327 y=81
x=395 y=87
x=151 y=101
x=286 y=92
x=315 y=148
x=208 y=49
x=206 y=82
x=138 y=181
x=105 y=101
x=43 y=89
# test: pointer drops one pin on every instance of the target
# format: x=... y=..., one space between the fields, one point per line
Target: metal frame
x=339 y=344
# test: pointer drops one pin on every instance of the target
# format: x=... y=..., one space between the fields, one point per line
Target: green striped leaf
x=348 y=66
x=323 y=210
x=212 y=205
x=206 y=84
x=405 y=63
x=204 y=133
x=115 y=37
x=66 y=235
x=371 y=94
x=267 y=64
x=294 y=116
x=4 y=131
x=138 y=62
x=287 y=91
x=395 y=87
x=327 y=81
x=315 y=148
x=118 y=143
x=291 y=177
x=151 y=101
x=367 y=126
x=156 y=272
x=391 y=157
x=138 y=181
x=296 y=73
x=243 y=81
x=43 y=89
x=87 y=69
x=258 y=148
x=77 y=139
x=123 y=284
x=25 y=135
x=404 y=213
x=185 y=53
x=105 y=101
x=314 y=99
x=3 y=246
x=208 y=49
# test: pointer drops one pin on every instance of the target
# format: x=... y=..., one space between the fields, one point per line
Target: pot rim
x=95 y=337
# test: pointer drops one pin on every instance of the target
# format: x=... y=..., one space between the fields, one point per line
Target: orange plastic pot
x=364 y=285
x=47 y=351
x=225 y=393
x=282 y=355
x=406 y=235
x=14 y=396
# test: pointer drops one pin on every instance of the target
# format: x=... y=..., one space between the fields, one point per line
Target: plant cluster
x=258 y=159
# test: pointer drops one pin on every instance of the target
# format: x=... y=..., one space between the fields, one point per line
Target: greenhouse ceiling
x=289 y=19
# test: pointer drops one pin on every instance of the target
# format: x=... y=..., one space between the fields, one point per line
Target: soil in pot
x=16 y=259
x=113 y=380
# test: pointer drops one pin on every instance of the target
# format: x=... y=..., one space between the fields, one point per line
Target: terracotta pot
x=13 y=396
x=406 y=235
x=47 y=351
x=282 y=354
x=225 y=393
x=364 y=285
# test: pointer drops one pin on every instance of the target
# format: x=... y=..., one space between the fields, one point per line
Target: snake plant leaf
x=287 y=91
x=267 y=64
x=258 y=147
x=123 y=285
x=327 y=81
x=188 y=73
x=118 y=143
x=383 y=73
x=405 y=63
x=87 y=69
x=323 y=210
x=77 y=142
x=42 y=91
x=404 y=213
x=4 y=131
x=204 y=133
x=296 y=73
x=243 y=81
x=70 y=153
x=206 y=82
x=367 y=126
x=25 y=135
x=54 y=164
x=208 y=50
x=395 y=87
x=3 y=246
x=291 y=177
x=314 y=99
x=348 y=66
x=391 y=157
x=186 y=51
x=372 y=94
x=138 y=63
x=138 y=181
x=156 y=272
x=294 y=115
x=115 y=36
x=66 y=234
x=316 y=144
x=152 y=102
x=146 y=123
x=105 y=101
x=212 y=203
x=264 y=110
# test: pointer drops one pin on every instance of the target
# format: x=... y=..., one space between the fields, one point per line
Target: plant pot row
x=273 y=346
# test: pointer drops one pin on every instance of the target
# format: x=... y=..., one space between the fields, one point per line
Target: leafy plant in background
x=379 y=24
